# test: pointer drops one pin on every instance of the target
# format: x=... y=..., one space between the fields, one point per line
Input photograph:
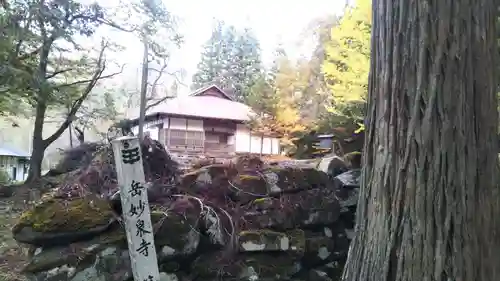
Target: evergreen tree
x=429 y=202
x=210 y=66
x=231 y=60
x=247 y=64
x=279 y=55
x=228 y=80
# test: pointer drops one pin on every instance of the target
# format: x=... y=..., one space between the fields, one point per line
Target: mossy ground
x=12 y=256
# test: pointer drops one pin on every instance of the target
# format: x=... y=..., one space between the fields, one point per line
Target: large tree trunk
x=428 y=208
x=38 y=145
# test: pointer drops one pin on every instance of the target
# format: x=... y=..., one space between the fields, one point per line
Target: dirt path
x=12 y=257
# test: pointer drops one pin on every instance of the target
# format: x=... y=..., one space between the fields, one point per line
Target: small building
x=207 y=122
x=341 y=145
x=15 y=162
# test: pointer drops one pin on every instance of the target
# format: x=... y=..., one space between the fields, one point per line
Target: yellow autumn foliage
x=347 y=61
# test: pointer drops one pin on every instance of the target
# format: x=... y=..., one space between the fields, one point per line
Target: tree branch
x=80 y=135
x=161 y=71
x=57 y=72
x=89 y=80
x=157 y=102
x=157 y=79
x=100 y=67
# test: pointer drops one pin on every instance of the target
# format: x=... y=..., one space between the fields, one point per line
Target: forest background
x=55 y=81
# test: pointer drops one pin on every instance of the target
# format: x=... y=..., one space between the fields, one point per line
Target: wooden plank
x=135 y=206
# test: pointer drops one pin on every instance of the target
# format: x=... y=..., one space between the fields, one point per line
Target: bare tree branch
x=158 y=101
x=90 y=81
x=100 y=67
x=160 y=74
x=152 y=101
x=80 y=135
x=57 y=72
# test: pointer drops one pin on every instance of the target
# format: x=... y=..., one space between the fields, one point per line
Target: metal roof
x=198 y=105
x=201 y=91
x=10 y=151
x=204 y=107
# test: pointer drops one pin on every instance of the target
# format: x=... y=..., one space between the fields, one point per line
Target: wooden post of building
x=135 y=206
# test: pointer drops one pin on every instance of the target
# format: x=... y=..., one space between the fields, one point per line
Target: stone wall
x=246 y=221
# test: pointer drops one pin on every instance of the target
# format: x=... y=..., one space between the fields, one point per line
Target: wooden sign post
x=135 y=206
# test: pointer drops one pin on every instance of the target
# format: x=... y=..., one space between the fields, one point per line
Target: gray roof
x=198 y=105
x=9 y=151
x=205 y=107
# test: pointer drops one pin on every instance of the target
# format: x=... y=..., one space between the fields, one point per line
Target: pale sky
x=273 y=22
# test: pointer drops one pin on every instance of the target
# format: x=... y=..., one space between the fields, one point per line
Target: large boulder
x=240 y=221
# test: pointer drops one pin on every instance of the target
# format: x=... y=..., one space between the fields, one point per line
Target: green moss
x=115 y=237
x=256 y=234
x=171 y=230
x=297 y=239
x=292 y=178
x=353 y=159
x=58 y=215
x=260 y=200
x=249 y=177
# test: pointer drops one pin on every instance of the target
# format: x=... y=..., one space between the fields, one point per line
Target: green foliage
x=111 y=111
x=246 y=68
x=275 y=98
x=4 y=177
x=47 y=66
x=347 y=65
x=38 y=69
x=210 y=67
x=262 y=97
x=231 y=59
x=316 y=93
x=15 y=70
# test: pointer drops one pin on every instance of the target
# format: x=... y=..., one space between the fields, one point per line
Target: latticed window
x=195 y=138
x=181 y=139
x=175 y=138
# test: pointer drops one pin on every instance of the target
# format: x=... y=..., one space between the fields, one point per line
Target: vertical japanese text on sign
x=136 y=212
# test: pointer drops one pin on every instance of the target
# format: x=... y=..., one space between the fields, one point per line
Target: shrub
x=4 y=178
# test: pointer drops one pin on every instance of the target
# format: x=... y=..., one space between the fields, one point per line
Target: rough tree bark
x=428 y=207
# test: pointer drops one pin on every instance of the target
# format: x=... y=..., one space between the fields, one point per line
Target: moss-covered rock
x=267 y=240
x=248 y=267
x=248 y=186
x=75 y=255
x=306 y=208
x=57 y=221
x=247 y=221
x=333 y=166
x=211 y=182
x=174 y=237
x=325 y=245
x=185 y=240
x=56 y=215
x=50 y=258
x=108 y=264
x=319 y=248
x=252 y=184
x=354 y=159
x=283 y=179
